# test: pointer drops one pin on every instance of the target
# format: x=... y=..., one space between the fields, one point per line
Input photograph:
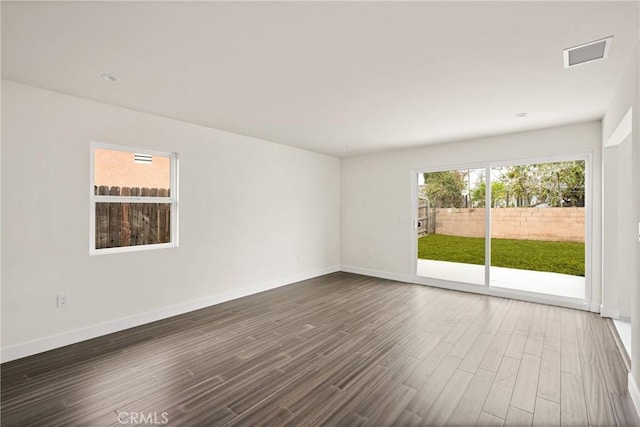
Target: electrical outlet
x=370 y=252
x=63 y=300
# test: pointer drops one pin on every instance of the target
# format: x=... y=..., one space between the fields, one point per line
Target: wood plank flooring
x=341 y=349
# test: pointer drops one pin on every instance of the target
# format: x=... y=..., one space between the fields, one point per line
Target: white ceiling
x=327 y=75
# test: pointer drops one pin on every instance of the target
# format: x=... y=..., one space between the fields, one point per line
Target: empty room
x=320 y=213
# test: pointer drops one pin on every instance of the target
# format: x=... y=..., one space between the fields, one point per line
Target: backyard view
x=557 y=257
x=537 y=219
x=120 y=223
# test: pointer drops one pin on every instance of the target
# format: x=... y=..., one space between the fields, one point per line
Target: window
x=134 y=199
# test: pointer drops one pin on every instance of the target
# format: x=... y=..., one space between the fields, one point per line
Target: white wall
x=620 y=204
x=628 y=287
x=619 y=217
x=376 y=192
x=248 y=209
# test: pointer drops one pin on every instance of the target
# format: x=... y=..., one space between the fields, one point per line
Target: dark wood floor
x=342 y=349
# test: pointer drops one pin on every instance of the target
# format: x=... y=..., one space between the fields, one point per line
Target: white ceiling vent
x=588 y=52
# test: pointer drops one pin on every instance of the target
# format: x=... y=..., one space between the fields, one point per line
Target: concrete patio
x=540 y=282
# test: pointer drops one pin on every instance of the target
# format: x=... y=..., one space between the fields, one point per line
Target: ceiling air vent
x=588 y=52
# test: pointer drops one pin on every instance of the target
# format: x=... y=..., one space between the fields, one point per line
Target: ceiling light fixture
x=520 y=115
x=588 y=52
x=110 y=77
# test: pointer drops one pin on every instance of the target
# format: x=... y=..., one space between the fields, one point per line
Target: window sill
x=137 y=248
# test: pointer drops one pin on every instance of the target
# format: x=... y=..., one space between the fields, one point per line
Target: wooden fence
x=426 y=218
x=131 y=224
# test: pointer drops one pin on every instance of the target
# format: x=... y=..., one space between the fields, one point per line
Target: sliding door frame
x=583 y=304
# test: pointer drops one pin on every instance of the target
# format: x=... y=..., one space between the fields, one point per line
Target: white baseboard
x=595 y=307
x=609 y=312
x=377 y=273
x=49 y=343
x=634 y=391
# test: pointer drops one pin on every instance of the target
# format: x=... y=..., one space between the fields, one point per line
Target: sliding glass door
x=517 y=227
x=452 y=218
x=538 y=228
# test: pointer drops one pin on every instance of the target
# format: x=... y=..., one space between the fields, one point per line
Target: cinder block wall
x=552 y=224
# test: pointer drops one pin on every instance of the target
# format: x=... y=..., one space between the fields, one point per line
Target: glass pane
x=451 y=232
x=132 y=224
x=124 y=173
x=538 y=228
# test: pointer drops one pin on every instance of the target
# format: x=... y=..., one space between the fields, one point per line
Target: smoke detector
x=588 y=52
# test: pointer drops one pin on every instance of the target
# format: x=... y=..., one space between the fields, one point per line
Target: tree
x=498 y=194
x=562 y=183
x=521 y=182
x=444 y=189
x=555 y=184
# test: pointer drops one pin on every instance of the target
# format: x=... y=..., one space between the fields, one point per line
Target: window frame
x=172 y=200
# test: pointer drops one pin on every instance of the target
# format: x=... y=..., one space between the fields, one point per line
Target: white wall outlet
x=63 y=300
x=370 y=252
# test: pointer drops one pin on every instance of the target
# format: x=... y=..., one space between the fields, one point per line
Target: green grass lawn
x=557 y=257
